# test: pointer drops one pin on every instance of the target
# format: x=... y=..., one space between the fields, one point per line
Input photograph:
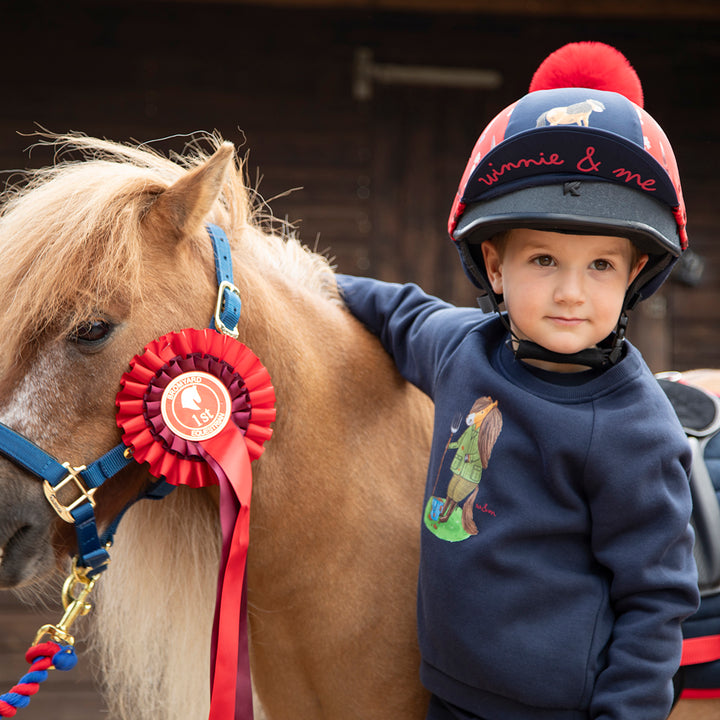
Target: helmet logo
x=575 y=114
x=572 y=188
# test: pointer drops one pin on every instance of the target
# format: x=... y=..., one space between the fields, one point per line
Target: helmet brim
x=580 y=208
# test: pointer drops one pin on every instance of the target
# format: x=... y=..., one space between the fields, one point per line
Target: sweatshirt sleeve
x=640 y=510
x=419 y=331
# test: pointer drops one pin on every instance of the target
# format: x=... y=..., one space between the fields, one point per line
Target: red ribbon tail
x=231 y=690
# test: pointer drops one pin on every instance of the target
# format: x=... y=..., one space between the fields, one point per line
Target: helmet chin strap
x=604 y=355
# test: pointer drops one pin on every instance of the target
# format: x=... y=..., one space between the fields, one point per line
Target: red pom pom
x=589 y=65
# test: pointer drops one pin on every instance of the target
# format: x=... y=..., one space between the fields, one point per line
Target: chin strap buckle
x=619 y=340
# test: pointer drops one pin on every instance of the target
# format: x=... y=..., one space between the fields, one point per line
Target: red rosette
x=183 y=389
x=196 y=406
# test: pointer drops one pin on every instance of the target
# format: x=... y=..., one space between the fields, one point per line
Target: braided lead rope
x=42 y=657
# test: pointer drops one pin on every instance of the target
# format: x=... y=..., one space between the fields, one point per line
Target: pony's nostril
x=20 y=534
x=23 y=555
x=15 y=539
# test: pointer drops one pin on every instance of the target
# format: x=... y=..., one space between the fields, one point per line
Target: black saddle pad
x=697 y=410
x=699 y=414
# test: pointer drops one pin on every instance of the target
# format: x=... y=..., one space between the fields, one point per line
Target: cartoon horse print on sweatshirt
x=451 y=518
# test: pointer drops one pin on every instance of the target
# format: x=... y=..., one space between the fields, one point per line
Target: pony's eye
x=91 y=332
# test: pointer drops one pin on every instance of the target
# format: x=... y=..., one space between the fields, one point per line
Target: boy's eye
x=543 y=260
x=601 y=265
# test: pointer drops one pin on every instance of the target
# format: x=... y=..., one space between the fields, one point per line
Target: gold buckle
x=220 y=326
x=51 y=493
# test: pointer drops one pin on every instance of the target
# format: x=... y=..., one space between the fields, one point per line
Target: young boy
x=556 y=557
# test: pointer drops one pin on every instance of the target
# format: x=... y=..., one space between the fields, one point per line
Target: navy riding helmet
x=578 y=159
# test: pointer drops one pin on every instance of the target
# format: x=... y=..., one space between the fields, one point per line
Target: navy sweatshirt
x=556 y=557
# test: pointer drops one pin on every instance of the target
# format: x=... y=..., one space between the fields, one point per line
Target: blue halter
x=92 y=547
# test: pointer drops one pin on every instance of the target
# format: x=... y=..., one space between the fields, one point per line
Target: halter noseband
x=93 y=554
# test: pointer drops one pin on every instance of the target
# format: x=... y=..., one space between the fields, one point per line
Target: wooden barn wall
x=377 y=177
x=372 y=180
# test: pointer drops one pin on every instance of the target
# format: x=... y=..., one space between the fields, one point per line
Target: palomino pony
x=100 y=256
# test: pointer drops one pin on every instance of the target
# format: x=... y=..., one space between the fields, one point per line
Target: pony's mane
x=70 y=233
x=145 y=676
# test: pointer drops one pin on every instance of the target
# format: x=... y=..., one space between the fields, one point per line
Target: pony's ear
x=185 y=204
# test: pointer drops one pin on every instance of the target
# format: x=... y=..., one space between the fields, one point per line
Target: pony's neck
x=295 y=330
x=332 y=379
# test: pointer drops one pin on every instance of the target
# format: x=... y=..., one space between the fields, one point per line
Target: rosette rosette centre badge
x=196 y=406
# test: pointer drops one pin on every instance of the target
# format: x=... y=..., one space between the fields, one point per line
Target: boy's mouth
x=566 y=320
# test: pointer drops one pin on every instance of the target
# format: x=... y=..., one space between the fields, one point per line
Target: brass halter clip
x=75 y=606
x=73 y=476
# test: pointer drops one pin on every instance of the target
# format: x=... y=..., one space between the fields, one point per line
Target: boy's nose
x=570 y=287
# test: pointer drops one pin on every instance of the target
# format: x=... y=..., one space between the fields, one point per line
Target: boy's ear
x=639 y=265
x=493 y=266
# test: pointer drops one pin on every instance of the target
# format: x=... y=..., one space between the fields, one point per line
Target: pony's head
x=100 y=255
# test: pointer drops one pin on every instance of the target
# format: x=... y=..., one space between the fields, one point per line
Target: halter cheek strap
x=92 y=547
x=229 y=305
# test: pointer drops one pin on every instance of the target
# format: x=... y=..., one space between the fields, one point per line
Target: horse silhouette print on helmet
x=577 y=154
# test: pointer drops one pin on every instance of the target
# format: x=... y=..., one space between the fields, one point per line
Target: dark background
x=376 y=175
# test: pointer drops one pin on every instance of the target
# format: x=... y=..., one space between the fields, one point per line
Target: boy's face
x=563 y=292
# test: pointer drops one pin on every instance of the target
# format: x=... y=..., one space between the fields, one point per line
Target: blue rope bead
x=65 y=659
